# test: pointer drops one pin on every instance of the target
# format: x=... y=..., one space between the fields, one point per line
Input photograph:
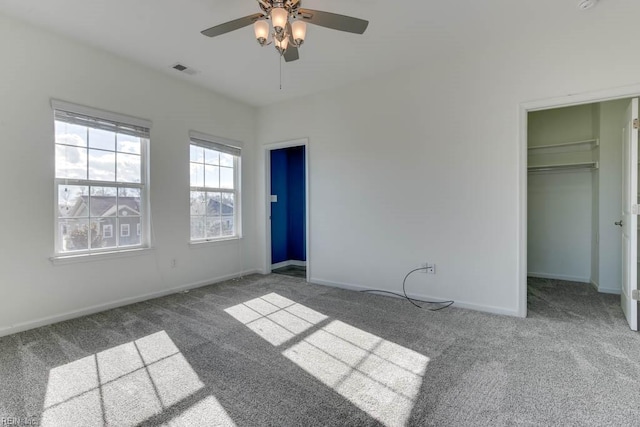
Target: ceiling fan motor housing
x=291 y=6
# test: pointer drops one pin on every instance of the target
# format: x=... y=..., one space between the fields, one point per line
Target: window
x=215 y=192
x=107 y=231
x=124 y=230
x=100 y=179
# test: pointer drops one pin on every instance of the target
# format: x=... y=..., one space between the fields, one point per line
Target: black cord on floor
x=412 y=300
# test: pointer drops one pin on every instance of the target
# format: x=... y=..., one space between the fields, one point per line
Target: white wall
x=423 y=164
x=595 y=201
x=560 y=225
x=612 y=116
x=561 y=203
x=37 y=66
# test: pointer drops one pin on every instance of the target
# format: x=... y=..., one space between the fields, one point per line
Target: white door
x=629 y=221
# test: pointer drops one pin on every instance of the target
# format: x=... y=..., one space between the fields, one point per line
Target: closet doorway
x=582 y=198
x=287 y=210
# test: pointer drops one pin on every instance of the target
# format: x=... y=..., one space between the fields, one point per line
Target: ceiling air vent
x=184 y=69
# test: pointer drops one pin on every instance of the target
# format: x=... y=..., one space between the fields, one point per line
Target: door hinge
x=635 y=295
x=636 y=123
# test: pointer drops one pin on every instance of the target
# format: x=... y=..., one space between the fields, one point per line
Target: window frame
x=143 y=185
x=233 y=148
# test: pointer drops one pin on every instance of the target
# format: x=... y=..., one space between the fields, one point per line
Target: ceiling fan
x=289 y=23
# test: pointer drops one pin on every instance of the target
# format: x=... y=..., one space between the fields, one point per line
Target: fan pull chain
x=280 y=72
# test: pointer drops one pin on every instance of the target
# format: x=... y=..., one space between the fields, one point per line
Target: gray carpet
x=272 y=350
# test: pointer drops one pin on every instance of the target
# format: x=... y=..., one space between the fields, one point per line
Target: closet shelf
x=563 y=167
x=591 y=143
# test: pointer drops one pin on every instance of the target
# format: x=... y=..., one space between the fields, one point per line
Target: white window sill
x=98 y=256
x=196 y=244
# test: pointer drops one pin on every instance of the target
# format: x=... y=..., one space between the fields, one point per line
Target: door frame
x=524 y=109
x=268 y=148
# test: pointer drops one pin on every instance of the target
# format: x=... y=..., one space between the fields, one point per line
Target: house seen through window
x=214 y=190
x=100 y=180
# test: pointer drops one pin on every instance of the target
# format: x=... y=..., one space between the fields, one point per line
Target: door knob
x=618 y=223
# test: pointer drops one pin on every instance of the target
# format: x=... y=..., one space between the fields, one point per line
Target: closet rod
x=563 y=167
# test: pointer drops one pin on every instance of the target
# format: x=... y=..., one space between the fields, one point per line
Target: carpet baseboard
x=50 y=320
x=560 y=277
x=615 y=291
x=288 y=263
x=459 y=304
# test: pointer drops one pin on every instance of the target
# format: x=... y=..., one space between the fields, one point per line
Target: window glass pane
x=197 y=175
x=95 y=234
x=226 y=178
x=128 y=231
x=102 y=166
x=77 y=233
x=103 y=201
x=128 y=144
x=213 y=204
x=213 y=227
x=226 y=159
x=197 y=203
x=128 y=202
x=211 y=176
x=197 y=154
x=70 y=134
x=129 y=168
x=197 y=227
x=227 y=214
x=102 y=139
x=107 y=230
x=211 y=157
x=71 y=162
x=73 y=201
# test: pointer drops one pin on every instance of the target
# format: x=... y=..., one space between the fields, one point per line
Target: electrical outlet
x=430 y=268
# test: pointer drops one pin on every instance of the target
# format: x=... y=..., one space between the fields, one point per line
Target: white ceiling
x=159 y=33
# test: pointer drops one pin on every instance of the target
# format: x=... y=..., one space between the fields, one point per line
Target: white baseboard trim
x=614 y=291
x=288 y=263
x=459 y=304
x=560 y=277
x=50 y=320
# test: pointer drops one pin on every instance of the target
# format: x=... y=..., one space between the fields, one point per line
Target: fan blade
x=291 y=54
x=236 y=24
x=334 y=21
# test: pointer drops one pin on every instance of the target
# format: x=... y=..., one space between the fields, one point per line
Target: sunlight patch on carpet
x=126 y=385
x=378 y=376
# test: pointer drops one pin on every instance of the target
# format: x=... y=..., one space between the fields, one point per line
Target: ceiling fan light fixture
x=279 y=19
x=299 y=31
x=261 y=29
x=284 y=23
x=282 y=45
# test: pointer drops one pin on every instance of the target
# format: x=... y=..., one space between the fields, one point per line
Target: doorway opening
x=287 y=189
x=581 y=179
